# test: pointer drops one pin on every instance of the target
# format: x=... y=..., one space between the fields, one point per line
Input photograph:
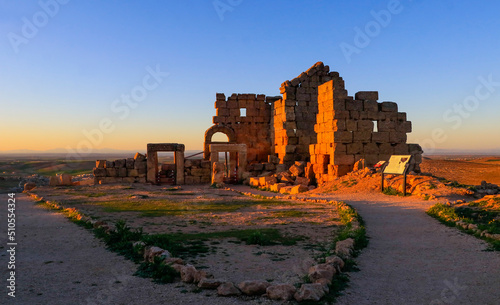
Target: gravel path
x=58 y=262
x=411 y=259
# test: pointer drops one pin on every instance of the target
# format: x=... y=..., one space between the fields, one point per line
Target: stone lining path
x=59 y=262
x=411 y=259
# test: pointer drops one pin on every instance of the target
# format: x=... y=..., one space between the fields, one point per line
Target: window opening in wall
x=375 y=127
x=243 y=112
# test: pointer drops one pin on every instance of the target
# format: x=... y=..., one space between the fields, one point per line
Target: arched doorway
x=209 y=135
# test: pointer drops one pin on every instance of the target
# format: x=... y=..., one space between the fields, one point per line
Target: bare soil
x=411 y=258
x=465 y=170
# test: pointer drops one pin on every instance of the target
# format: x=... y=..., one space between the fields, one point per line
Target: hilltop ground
x=411 y=258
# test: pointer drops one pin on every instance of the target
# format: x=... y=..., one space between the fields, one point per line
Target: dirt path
x=413 y=259
x=58 y=262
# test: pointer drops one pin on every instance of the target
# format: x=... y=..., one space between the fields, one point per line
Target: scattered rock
x=188 y=273
x=282 y=292
x=299 y=189
x=151 y=252
x=310 y=292
x=253 y=287
x=344 y=247
x=321 y=271
x=29 y=186
x=335 y=261
x=209 y=283
x=227 y=289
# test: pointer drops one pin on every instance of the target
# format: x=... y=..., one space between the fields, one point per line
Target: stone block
x=139 y=157
x=351 y=125
x=366 y=95
x=414 y=149
x=386 y=149
x=132 y=173
x=109 y=164
x=110 y=180
x=192 y=180
x=254 y=181
x=302 y=181
x=397 y=137
x=267 y=180
x=389 y=107
x=122 y=172
x=365 y=125
x=380 y=137
x=129 y=180
x=370 y=149
x=341 y=159
x=342 y=137
x=404 y=127
x=370 y=105
x=99 y=172
x=401 y=149
x=355 y=105
x=354 y=148
x=130 y=163
x=362 y=136
x=140 y=165
x=111 y=172
x=386 y=126
x=120 y=163
x=100 y=163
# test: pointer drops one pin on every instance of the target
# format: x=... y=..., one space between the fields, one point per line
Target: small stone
x=310 y=292
x=335 y=261
x=29 y=186
x=227 y=289
x=322 y=271
x=253 y=287
x=209 y=283
x=151 y=252
x=282 y=292
x=344 y=247
x=188 y=273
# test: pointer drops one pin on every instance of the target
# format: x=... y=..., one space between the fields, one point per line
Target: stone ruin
x=315 y=122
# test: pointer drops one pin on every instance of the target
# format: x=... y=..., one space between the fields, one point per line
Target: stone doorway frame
x=239 y=149
x=228 y=131
x=152 y=160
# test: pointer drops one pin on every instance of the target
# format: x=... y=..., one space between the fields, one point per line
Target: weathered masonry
x=314 y=121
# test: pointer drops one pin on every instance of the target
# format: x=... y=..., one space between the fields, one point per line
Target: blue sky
x=59 y=83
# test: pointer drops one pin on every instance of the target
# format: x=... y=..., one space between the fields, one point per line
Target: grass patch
x=162 y=207
x=158 y=271
x=484 y=219
x=393 y=192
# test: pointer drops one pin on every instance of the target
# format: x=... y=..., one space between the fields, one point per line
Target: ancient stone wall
x=350 y=129
x=294 y=116
x=122 y=170
x=249 y=116
x=197 y=171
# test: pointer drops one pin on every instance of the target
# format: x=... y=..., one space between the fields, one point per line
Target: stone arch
x=228 y=131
